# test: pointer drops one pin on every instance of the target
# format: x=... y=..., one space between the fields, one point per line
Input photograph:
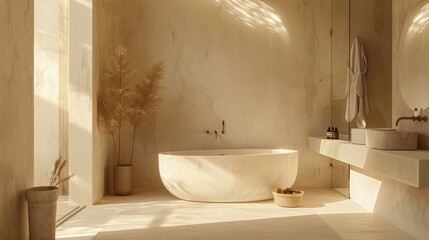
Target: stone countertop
x=408 y=167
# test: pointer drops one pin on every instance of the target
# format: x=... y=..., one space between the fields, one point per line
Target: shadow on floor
x=314 y=198
x=301 y=227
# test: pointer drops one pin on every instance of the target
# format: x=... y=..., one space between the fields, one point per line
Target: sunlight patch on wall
x=421 y=20
x=46 y=89
x=85 y=3
x=254 y=13
x=45 y=75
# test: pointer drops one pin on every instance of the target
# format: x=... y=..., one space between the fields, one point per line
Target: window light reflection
x=421 y=20
x=254 y=13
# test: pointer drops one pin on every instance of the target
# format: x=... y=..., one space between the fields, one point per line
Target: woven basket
x=288 y=200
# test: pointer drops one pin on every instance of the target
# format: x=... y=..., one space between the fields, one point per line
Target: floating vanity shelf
x=409 y=167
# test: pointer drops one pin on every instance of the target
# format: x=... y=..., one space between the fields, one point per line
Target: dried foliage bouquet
x=56 y=175
x=123 y=101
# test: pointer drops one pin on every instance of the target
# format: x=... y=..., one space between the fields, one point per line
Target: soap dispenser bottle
x=329 y=133
x=336 y=133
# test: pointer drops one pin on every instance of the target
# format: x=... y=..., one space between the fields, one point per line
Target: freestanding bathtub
x=232 y=175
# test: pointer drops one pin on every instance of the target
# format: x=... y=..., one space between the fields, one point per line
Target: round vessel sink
x=391 y=140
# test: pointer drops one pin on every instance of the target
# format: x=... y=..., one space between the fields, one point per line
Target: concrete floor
x=65 y=211
x=156 y=214
x=63 y=208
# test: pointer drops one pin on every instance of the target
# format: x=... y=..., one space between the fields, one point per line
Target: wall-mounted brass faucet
x=414 y=118
x=216 y=132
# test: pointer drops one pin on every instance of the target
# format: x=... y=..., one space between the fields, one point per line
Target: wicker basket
x=288 y=200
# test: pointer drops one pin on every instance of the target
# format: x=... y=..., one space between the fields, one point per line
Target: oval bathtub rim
x=203 y=153
x=165 y=159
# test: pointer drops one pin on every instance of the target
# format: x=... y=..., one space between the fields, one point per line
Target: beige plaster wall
x=16 y=118
x=63 y=72
x=104 y=35
x=340 y=55
x=371 y=20
x=87 y=38
x=81 y=102
x=268 y=79
x=46 y=89
x=91 y=39
x=404 y=206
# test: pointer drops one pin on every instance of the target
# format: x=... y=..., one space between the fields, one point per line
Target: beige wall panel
x=16 y=118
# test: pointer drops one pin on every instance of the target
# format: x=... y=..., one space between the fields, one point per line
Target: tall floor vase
x=42 y=211
x=123 y=180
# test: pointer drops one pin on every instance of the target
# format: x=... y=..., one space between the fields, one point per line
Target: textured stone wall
x=267 y=74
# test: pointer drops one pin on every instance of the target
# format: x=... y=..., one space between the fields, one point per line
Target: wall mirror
x=413 y=57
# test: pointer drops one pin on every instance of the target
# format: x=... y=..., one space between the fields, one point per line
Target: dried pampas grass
x=120 y=102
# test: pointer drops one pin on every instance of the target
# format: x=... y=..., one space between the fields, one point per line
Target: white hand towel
x=356 y=89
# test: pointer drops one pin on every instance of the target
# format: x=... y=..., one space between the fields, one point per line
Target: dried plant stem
x=56 y=179
x=63 y=180
x=114 y=147
x=122 y=103
x=132 y=145
x=119 y=139
x=120 y=110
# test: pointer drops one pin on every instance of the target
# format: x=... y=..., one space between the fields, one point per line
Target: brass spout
x=418 y=118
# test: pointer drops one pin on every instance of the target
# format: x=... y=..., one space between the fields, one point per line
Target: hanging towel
x=356 y=89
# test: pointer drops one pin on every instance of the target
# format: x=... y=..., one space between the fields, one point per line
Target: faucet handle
x=216 y=133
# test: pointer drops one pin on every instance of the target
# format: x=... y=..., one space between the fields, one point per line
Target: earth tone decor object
x=293 y=199
x=391 y=140
x=123 y=180
x=358 y=135
x=122 y=101
x=42 y=210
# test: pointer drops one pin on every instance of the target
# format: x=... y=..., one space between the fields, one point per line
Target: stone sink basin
x=358 y=135
x=391 y=140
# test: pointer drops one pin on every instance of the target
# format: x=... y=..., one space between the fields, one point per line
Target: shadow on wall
x=404 y=206
x=99 y=182
x=46 y=138
x=399 y=204
x=46 y=89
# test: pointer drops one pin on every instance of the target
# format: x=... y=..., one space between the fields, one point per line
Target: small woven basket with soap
x=288 y=197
